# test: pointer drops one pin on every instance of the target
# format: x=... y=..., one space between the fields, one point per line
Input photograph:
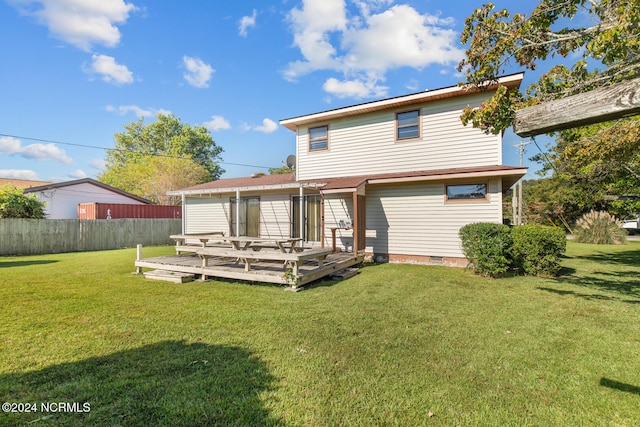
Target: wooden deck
x=261 y=271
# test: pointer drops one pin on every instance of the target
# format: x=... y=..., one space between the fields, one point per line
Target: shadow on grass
x=588 y=296
x=7 y=264
x=628 y=388
x=630 y=258
x=170 y=383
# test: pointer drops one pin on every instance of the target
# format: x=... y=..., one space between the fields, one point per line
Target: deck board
x=261 y=271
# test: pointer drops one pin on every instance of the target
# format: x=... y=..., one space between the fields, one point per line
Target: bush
x=14 y=204
x=487 y=247
x=599 y=228
x=537 y=249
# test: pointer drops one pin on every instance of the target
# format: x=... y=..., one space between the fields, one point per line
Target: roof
x=510 y=175
x=511 y=80
x=53 y=185
x=22 y=183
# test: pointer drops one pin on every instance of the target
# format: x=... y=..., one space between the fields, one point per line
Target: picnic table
x=181 y=239
x=285 y=244
x=249 y=249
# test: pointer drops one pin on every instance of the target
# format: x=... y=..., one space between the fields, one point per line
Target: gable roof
x=511 y=80
x=54 y=185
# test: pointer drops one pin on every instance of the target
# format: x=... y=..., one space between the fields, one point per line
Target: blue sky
x=75 y=72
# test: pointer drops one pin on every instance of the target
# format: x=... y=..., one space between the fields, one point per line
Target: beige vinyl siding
x=338 y=207
x=211 y=213
x=415 y=220
x=366 y=144
x=275 y=215
x=204 y=214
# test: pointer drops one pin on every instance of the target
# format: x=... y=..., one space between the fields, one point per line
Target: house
x=62 y=198
x=395 y=178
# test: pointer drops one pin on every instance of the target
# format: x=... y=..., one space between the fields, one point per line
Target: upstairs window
x=408 y=125
x=318 y=138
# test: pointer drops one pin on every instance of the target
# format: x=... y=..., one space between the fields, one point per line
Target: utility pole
x=516 y=201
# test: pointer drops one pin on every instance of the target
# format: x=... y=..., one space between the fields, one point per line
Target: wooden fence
x=48 y=236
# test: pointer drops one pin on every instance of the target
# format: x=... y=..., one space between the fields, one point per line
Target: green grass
x=383 y=348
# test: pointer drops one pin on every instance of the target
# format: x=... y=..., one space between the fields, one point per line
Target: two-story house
x=395 y=178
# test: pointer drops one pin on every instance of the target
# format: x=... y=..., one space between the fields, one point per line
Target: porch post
x=301 y=193
x=238 y=212
x=355 y=224
x=184 y=214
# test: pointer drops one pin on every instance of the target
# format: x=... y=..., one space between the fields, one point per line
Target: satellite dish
x=291 y=161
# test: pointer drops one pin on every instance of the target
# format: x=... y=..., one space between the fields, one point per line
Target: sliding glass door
x=312 y=225
x=249 y=213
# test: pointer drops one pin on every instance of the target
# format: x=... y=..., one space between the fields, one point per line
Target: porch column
x=355 y=225
x=184 y=214
x=238 y=213
x=301 y=193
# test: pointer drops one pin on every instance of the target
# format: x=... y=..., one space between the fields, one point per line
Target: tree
x=284 y=169
x=496 y=39
x=15 y=204
x=130 y=166
x=152 y=177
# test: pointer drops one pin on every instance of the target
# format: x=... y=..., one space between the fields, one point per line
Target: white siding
x=62 y=202
x=275 y=215
x=365 y=144
x=414 y=219
x=205 y=214
x=336 y=208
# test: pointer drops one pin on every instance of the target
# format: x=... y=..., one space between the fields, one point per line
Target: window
x=467 y=192
x=312 y=218
x=408 y=125
x=318 y=138
x=249 y=216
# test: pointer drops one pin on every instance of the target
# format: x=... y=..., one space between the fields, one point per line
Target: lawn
x=390 y=346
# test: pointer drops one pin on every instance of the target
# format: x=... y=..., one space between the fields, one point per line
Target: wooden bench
x=249 y=256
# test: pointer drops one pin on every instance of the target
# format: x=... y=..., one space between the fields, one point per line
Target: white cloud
x=13 y=146
x=139 y=112
x=19 y=174
x=198 y=73
x=364 y=43
x=247 y=22
x=99 y=164
x=217 y=123
x=123 y=110
x=268 y=126
x=354 y=88
x=80 y=23
x=110 y=70
x=77 y=174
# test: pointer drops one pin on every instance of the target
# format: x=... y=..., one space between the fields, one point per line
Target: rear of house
x=395 y=178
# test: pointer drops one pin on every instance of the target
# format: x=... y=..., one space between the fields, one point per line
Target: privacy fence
x=48 y=236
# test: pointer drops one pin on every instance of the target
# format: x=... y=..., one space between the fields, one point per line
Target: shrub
x=599 y=228
x=14 y=204
x=537 y=249
x=487 y=247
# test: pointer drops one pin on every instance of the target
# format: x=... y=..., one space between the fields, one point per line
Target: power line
x=123 y=151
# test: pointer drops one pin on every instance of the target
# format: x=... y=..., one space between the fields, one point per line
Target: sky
x=75 y=72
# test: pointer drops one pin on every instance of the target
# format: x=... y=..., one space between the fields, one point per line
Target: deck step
x=344 y=273
x=169 y=276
